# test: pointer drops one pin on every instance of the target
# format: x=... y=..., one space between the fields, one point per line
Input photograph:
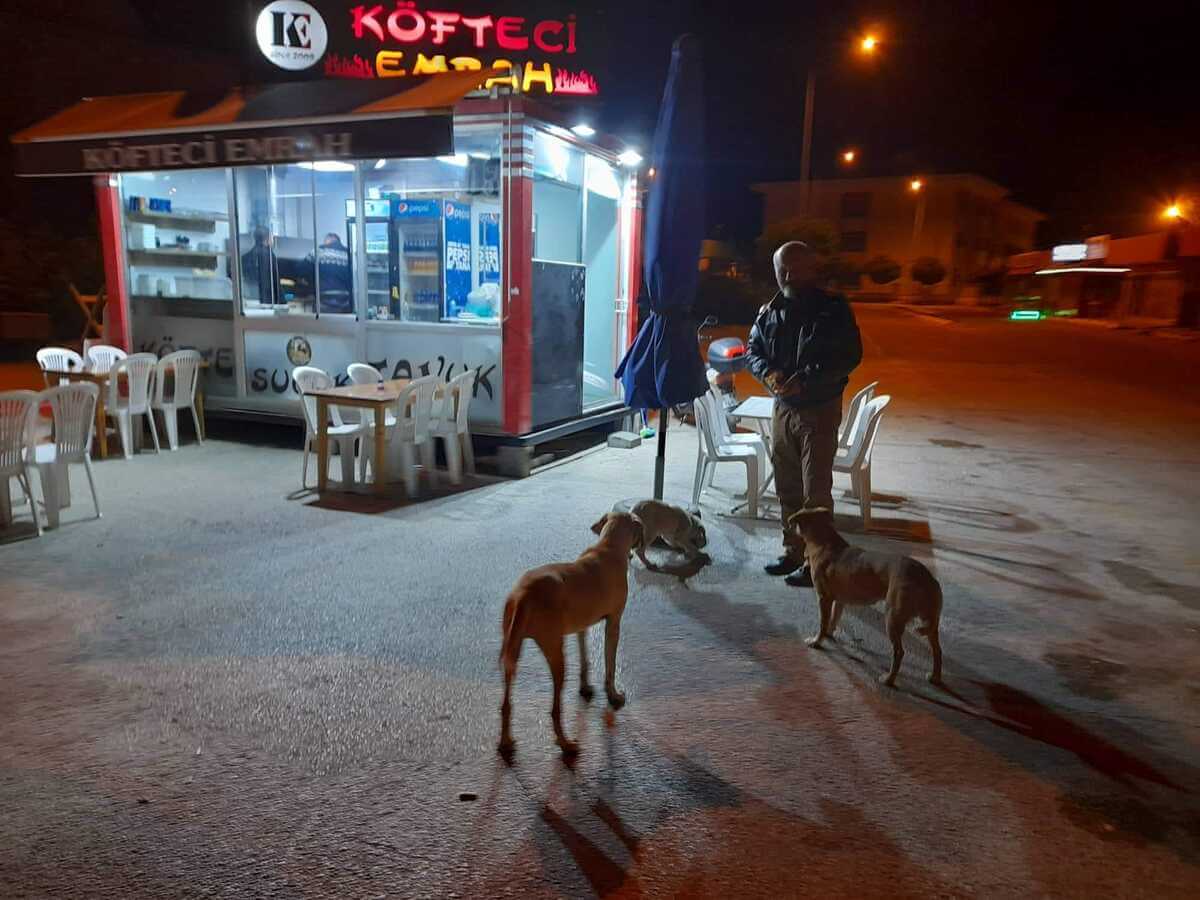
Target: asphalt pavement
x=226 y=687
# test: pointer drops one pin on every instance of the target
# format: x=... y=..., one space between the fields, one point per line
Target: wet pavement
x=225 y=688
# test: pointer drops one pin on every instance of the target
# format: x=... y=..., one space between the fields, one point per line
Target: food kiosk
x=424 y=225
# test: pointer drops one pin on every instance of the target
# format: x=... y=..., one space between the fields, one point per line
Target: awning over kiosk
x=246 y=126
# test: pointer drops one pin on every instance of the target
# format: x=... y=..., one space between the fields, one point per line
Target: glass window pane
x=277 y=238
x=600 y=289
x=557 y=199
x=433 y=233
x=336 y=251
x=177 y=234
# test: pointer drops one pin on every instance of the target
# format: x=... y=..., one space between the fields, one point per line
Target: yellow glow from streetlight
x=849 y=156
x=869 y=44
x=915 y=185
x=1173 y=212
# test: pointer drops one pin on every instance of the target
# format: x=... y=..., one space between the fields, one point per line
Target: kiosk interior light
x=584 y=130
x=479 y=154
x=328 y=165
x=458 y=159
x=630 y=158
x=380 y=163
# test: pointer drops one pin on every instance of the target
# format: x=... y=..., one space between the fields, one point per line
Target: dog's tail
x=512 y=629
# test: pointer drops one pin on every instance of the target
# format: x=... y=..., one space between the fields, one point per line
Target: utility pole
x=810 y=91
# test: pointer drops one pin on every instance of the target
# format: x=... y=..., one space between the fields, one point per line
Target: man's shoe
x=802 y=578
x=785 y=565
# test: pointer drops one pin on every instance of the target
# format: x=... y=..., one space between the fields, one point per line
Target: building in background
x=1149 y=279
x=966 y=222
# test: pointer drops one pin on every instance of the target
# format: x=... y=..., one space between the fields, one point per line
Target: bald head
x=795 y=267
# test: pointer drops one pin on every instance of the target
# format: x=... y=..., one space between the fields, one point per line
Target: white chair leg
x=864 y=499
x=196 y=423
x=454 y=460
x=171 y=424
x=304 y=469
x=27 y=487
x=87 y=467
x=698 y=481
x=752 y=487
x=126 y=428
x=49 y=480
x=855 y=490
x=468 y=452
x=64 y=486
x=429 y=460
x=346 y=452
x=153 y=431
x=408 y=467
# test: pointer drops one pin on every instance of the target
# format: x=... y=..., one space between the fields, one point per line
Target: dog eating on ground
x=553 y=601
x=680 y=530
x=844 y=575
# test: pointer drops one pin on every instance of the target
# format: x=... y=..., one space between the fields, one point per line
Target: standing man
x=803 y=346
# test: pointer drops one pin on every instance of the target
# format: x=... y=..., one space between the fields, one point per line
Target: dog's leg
x=895 y=631
x=612 y=634
x=509 y=665
x=823 y=632
x=641 y=552
x=585 y=687
x=835 y=618
x=935 y=649
x=558 y=671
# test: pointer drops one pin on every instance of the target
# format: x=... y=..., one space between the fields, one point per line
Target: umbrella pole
x=664 y=419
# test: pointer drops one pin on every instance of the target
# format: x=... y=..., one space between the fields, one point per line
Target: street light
x=849 y=156
x=1173 y=212
x=868 y=45
x=915 y=185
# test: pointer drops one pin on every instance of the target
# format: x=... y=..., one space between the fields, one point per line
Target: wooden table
x=100 y=379
x=377 y=397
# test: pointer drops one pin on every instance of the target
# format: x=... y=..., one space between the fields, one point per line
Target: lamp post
x=867 y=45
x=916 y=186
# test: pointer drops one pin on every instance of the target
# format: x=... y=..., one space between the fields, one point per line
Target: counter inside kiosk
x=509 y=250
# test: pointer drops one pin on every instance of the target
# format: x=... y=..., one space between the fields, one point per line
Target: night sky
x=1086 y=116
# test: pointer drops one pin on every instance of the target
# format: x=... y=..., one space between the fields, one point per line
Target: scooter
x=726 y=357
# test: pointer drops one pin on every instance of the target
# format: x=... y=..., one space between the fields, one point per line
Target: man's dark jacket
x=814 y=335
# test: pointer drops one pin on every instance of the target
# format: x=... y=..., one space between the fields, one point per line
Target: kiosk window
x=295 y=242
x=177 y=235
x=557 y=199
x=433 y=236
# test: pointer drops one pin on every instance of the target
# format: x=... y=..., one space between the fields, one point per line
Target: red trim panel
x=517 y=350
x=108 y=214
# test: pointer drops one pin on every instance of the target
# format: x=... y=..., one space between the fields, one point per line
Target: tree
x=820 y=234
x=840 y=272
x=882 y=269
x=928 y=270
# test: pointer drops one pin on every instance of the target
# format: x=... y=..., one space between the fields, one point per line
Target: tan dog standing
x=846 y=575
x=550 y=602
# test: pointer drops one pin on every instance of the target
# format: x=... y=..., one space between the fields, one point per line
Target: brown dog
x=845 y=575
x=551 y=602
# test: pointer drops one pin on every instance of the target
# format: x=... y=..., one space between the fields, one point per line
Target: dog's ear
x=697 y=514
x=599 y=526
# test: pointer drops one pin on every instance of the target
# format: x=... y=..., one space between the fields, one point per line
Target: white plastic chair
x=342 y=435
x=363 y=373
x=18 y=410
x=59 y=358
x=411 y=434
x=138 y=370
x=710 y=452
x=101 y=357
x=855 y=459
x=728 y=435
x=74 y=410
x=184 y=367
x=451 y=424
x=850 y=422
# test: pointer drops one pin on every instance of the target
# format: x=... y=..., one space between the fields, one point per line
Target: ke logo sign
x=291 y=34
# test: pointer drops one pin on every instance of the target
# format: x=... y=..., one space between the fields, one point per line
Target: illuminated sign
x=1069 y=253
x=399 y=39
x=291 y=34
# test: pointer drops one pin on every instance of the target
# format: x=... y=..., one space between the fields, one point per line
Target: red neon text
x=406 y=24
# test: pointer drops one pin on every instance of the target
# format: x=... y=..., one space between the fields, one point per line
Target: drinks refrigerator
x=377 y=217
x=416 y=259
